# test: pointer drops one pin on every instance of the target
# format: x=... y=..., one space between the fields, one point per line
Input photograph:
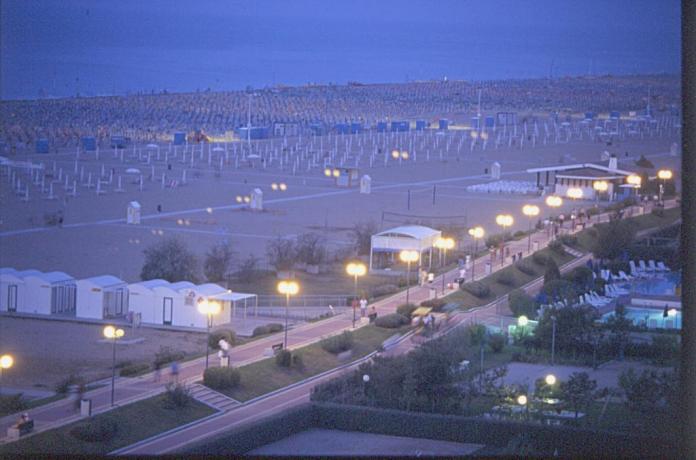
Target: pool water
x=660 y=284
x=651 y=317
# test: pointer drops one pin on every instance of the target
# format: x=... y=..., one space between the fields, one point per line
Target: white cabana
x=48 y=293
x=12 y=290
x=238 y=300
x=142 y=299
x=386 y=245
x=101 y=297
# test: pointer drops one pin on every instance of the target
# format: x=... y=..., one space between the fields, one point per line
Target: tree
x=642 y=392
x=552 y=272
x=581 y=277
x=281 y=254
x=578 y=391
x=169 y=260
x=521 y=303
x=574 y=326
x=248 y=268
x=310 y=249
x=560 y=290
x=218 y=261
x=613 y=239
x=620 y=326
x=362 y=236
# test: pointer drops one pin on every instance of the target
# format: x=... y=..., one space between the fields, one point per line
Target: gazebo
x=385 y=246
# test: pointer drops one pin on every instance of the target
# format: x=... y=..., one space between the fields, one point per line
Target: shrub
x=9 y=404
x=581 y=277
x=521 y=303
x=166 y=355
x=221 y=378
x=219 y=334
x=338 y=343
x=557 y=247
x=133 y=369
x=267 y=329
x=274 y=327
x=519 y=234
x=539 y=258
x=568 y=240
x=283 y=358
x=506 y=278
x=97 y=429
x=552 y=272
x=435 y=304
x=526 y=267
x=63 y=386
x=391 y=321
x=477 y=289
x=177 y=395
x=406 y=309
x=496 y=342
x=384 y=289
x=259 y=330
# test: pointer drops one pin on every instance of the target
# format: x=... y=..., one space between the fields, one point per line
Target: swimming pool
x=659 y=284
x=651 y=317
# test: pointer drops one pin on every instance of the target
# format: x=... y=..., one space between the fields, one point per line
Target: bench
x=20 y=429
x=277 y=348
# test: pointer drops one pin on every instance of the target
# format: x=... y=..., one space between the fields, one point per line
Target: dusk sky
x=104 y=47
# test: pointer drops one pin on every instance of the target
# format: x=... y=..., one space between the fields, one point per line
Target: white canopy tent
x=407 y=237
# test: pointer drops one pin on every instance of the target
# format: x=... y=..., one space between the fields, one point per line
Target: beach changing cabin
x=101 y=297
x=52 y=293
x=12 y=290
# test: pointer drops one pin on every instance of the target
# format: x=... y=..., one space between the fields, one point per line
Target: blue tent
x=89 y=144
x=42 y=146
x=420 y=125
x=179 y=138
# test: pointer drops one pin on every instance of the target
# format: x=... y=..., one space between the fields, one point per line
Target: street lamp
x=408 y=257
x=356 y=269
x=664 y=175
x=530 y=211
x=6 y=362
x=110 y=332
x=550 y=379
x=574 y=193
x=476 y=233
x=288 y=288
x=553 y=339
x=504 y=220
x=209 y=309
x=444 y=244
x=600 y=186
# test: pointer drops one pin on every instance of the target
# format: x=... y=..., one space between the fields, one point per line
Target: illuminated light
x=634 y=180
x=600 y=185
x=239 y=198
x=356 y=269
x=283 y=186
x=550 y=379
x=574 y=193
x=522 y=400
x=474 y=134
x=504 y=220
x=477 y=232
x=395 y=154
x=209 y=210
x=554 y=201
x=288 y=287
x=180 y=221
x=444 y=243
x=409 y=256
x=336 y=172
x=484 y=136
x=530 y=210
x=672 y=312
x=247 y=199
x=6 y=361
x=664 y=174
x=522 y=321
x=274 y=186
x=327 y=172
x=404 y=155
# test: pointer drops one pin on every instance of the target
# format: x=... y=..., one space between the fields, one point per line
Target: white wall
x=142 y=300
x=38 y=296
x=89 y=300
x=5 y=281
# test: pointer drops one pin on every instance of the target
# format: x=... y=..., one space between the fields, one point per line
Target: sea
x=98 y=47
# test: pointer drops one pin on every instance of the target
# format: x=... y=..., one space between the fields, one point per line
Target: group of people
x=153 y=117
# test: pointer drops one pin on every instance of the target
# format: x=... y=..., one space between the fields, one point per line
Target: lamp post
x=634 y=180
x=530 y=211
x=444 y=244
x=664 y=175
x=408 y=257
x=355 y=269
x=600 y=186
x=476 y=233
x=6 y=362
x=553 y=339
x=209 y=309
x=505 y=221
x=288 y=288
x=554 y=201
x=110 y=332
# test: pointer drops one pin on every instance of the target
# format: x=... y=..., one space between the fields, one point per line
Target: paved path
x=129 y=390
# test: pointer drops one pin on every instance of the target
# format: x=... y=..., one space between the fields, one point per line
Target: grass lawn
x=265 y=376
x=618 y=417
x=31 y=404
x=135 y=421
x=467 y=300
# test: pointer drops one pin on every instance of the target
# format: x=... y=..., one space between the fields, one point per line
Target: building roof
x=591 y=173
x=233 y=296
x=569 y=169
x=152 y=283
x=417 y=232
x=181 y=285
x=210 y=289
x=104 y=280
x=50 y=277
x=9 y=270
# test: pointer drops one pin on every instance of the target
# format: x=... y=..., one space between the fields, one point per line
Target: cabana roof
x=104 y=280
x=210 y=289
x=417 y=232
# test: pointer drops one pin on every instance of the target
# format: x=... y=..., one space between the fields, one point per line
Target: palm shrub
x=435 y=304
x=526 y=267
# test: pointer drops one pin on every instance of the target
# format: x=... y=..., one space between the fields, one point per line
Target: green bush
x=526 y=267
x=97 y=429
x=477 y=289
x=539 y=258
x=521 y=303
x=9 y=404
x=166 y=355
x=557 y=247
x=63 y=386
x=391 y=321
x=519 y=234
x=406 y=309
x=133 y=369
x=275 y=327
x=221 y=378
x=506 y=278
x=496 y=342
x=177 y=395
x=384 y=289
x=259 y=330
x=568 y=240
x=283 y=358
x=338 y=343
x=219 y=334
x=435 y=304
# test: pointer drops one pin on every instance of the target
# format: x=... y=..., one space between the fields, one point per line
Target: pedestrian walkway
x=212 y=398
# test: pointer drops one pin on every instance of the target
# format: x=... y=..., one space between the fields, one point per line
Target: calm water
x=664 y=284
x=652 y=317
x=52 y=48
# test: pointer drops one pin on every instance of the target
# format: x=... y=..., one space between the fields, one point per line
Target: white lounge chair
x=633 y=268
x=662 y=267
x=643 y=267
x=624 y=276
x=597 y=299
x=651 y=265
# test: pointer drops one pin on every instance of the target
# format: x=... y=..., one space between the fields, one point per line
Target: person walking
x=363 y=307
x=175 y=371
x=158 y=371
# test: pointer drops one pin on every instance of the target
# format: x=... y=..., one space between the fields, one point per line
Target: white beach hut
x=12 y=290
x=101 y=297
x=142 y=299
x=52 y=293
x=188 y=314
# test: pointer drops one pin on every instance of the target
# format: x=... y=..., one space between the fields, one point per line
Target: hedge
x=100 y=429
x=338 y=343
x=221 y=378
x=384 y=289
x=134 y=369
x=391 y=321
x=526 y=267
x=267 y=329
x=477 y=289
x=406 y=309
x=505 y=278
x=218 y=334
x=435 y=304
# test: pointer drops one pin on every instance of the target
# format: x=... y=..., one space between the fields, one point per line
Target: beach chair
x=643 y=267
x=662 y=267
x=624 y=276
x=651 y=265
x=633 y=268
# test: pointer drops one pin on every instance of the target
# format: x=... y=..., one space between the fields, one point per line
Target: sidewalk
x=129 y=390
